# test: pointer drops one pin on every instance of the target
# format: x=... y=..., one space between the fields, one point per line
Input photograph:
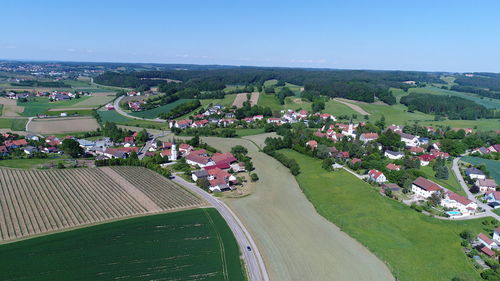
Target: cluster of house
x=487 y=245
x=212 y=116
x=292 y=116
x=487 y=150
x=53 y=96
x=215 y=168
x=456 y=205
x=136 y=105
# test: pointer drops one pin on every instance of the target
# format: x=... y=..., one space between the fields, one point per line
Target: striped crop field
x=38 y=201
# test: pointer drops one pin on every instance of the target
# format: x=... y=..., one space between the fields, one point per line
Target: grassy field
x=451 y=183
x=227 y=101
x=493 y=166
x=82 y=112
x=481 y=124
x=42 y=104
x=486 y=102
x=113 y=116
x=13 y=124
x=155 y=112
x=188 y=245
x=97 y=99
x=249 y=132
x=296 y=242
x=26 y=163
x=408 y=241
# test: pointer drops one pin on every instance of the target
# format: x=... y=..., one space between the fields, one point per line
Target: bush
x=254 y=177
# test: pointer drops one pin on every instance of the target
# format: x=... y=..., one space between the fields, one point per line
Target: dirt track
x=297 y=243
x=242 y=97
x=354 y=107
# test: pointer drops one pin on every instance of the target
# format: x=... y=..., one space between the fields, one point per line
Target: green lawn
x=27 y=163
x=227 y=101
x=188 y=245
x=155 y=112
x=415 y=246
x=40 y=105
x=13 y=124
x=451 y=183
x=493 y=166
x=113 y=116
x=271 y=101
x=480 y=124
x=336 y=109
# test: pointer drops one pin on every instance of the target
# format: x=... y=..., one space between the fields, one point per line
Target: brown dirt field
x=70 y=108
x=132 y=190
x=62 y=125
x=354 y=107
x=10 y=108
x=242 y=97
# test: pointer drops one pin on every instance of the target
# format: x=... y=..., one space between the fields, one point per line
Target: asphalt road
x=253 y=260
x=488 y=209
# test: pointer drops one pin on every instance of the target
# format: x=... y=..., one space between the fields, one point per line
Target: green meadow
x=115 y=117
x=40 y=105
x=155 y=112
x=187 y=245
x=493 y=166
x=13 y=124
x=414 y=246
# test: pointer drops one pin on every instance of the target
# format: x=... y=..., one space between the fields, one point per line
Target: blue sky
x=434 y=35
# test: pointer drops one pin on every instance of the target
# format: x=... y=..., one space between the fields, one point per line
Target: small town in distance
x=332 y=149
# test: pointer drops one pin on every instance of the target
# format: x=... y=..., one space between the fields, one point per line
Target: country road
x=470 y=196
x=120 y=111
x=253 y=260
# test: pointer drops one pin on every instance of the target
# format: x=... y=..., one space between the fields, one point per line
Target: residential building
x=460 y=203
x=424 y=188
x=475 y=173
x=376 y=176
x=367 y=137
x=394 y=155
x=486 y=241
x=485 y=185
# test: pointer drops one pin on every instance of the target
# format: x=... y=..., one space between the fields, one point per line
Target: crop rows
x=39 y=201
x=163 y=192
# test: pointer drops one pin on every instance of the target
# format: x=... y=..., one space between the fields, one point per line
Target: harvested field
x=39 y=201
x=295 y=241
x=354 y=107
x=62 y=125
x=10 y=107
x=97 y=99
x=242 y=97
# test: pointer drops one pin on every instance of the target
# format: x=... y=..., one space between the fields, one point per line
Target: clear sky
x=440 y=35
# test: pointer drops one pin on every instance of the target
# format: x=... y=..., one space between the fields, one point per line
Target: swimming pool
x=453 y=213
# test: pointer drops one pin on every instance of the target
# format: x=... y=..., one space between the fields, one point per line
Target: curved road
x=118 y=109
x=470 y=196
x=254 y=263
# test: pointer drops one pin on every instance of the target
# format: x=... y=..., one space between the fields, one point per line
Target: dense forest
x=452 y=107
x=360 y=85
x=487 y=81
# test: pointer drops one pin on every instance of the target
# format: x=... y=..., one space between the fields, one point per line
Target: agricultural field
x=155 y=112
x=82 y=111
x=113 y=116
x=295 y=241
x=162 y=192
x=186 y=245
x=406 y=240
x=480 y=124
x=62 y=125
x=486 y=102
x=10 y=108
x=271 y=101
x=40 y=201
x=40 y=105
x=28 y=163
x=17 y=124
x=227 y=101
x=493 y=166
x=97 y=99
x=243 y=97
